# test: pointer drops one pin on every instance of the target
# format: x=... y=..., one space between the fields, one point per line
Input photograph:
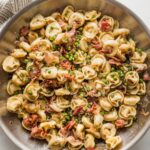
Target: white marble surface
x=142 y=9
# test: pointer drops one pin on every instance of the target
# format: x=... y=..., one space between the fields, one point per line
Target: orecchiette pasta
x=76 y=77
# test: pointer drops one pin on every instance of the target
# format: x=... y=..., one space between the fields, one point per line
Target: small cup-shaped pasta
x=94 y=131
x=108 y=130
x=14 y=103
x=92 y=15
x=55 y=107
x=32 y=36
x=62 y=91
x=62 y=103
x=89 y=141
x=106 y=23
x=37 y=22
x=76 y=102
x=114 y=79
x=42 y=115
x=106 y=70
x=31 y=107
x=12 y=88
x=52 y=30
x=19 y=53
x=98 y=62
x=49 y=72
x=61 y=38
x=36 y=55
x=104 y=36
x=92 y=52
x=90 y=30
x=86 y=122
x=132 y=79
x=74 y=144
x=56 y=142
x=115 y=98
x=127 y=112
x=105 y=104
x=134 y=90
x=25 y=46
x=112 y=46
x=79 y=57
x=98 y=120
x=88 y=72
x=61 y=75
x=138 y=57
x=31 y=91
x=79 y=77
x=111 y=116
x=79 y=132
x=10 y=64
x=84 y=44
x=131 y=100
x=101 y=86
x=67 y=12
x=121 y=32
x=76 y=19
x=113 y=142
x=21 y=77
x=73 y=87
x=41 y=45
x=142 y=88
x=48 y=125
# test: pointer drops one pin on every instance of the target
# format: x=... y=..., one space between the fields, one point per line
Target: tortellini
x=31 y=91
x=37 y=22
x=14 y=103
x=88 y=72
x=90 y=30
x=76 y=77
x=10 y=64
x=49 y=72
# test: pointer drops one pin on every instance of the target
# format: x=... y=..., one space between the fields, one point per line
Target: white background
x=142 y=9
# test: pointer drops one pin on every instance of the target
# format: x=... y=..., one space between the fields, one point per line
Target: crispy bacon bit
x=24 y=31
x=71 y=33
x=31 y=121
x=78 y=110
x=69 y=77
x=146 y=76
x=38 y=133
x=65 y=130
x=42 y=32
x=93 y=108
x=51 y=58
x=62 y=50
x=35 y=73
x=105 y=51
x=92 y=93
x=120 y=123
x=65 y=64
x=104 y=25
x=51 y=84
x=114 y=62
x=90 y=148
x=96 y=44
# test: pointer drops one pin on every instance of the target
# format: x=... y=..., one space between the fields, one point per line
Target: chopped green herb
x=26 y=61
x=139 y=50
x=30 y=93
x=49 y=71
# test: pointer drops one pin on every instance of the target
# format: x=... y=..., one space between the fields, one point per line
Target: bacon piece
x=77 y=110
x=71 y=33
x=146 y=76
x=65 y=64
x=62 y=50
x=92 y=93
x=31 y=121
x=93 y=108
x=24 y=31
x=96 y=44
x=90 y=148
x=104 y=26
x=51 y=83
x=113 y=62
x=69 y=77
x=105 y=51
x=120 y=123
x=65 y=130
x=35 y=73
x=38 y=133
